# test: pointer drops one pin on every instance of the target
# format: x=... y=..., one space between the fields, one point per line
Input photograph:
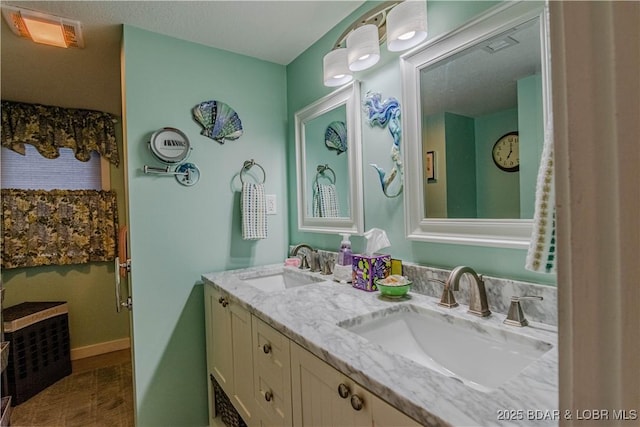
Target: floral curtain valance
x=49 y=128
x=58 y=227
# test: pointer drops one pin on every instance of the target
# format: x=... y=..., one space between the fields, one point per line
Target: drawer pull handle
x=343 y=390
x=223 y=301
x=266 y=348
x=268 y=396
x=356 y=402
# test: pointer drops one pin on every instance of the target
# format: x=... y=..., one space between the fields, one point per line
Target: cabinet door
x=385 y=415
x=218 y=329
x=272 y=374
x=241 y=344
x=322 y=396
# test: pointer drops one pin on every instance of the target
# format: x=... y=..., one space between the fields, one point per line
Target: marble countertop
x=309 y=315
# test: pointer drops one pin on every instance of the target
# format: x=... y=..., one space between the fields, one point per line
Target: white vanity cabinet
x=273 y=381
x=324 y=396
x=229 y=351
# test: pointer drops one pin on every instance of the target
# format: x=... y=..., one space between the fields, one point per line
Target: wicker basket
x=223 y=406
x=40 y=348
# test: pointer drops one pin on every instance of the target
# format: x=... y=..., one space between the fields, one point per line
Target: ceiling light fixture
x=403 y=24
x=336 y=68
x=406 y=25
x=363 y=47
x=43 y=28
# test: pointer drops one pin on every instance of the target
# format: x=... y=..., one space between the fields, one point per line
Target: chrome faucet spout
x=477 y=294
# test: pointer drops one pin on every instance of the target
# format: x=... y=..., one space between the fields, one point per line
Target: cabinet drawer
x=271 y=354
x=272 y=373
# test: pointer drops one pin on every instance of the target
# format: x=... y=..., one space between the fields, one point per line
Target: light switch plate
x=271 y=204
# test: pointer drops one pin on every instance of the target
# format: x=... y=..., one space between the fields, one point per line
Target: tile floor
x=99 y=392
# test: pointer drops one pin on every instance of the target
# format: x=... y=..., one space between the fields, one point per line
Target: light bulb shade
x=363 y=47
x=406 y=25
x=336 y=68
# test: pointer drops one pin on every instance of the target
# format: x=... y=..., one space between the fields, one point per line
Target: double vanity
x=290 y=347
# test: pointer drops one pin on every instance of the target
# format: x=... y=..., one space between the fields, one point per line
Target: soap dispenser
x=344 y=255
x=342 y=271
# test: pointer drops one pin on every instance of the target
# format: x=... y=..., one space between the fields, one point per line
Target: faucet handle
x=447 y=299
x=304 y=262
x=326 y=267
x=515 y=317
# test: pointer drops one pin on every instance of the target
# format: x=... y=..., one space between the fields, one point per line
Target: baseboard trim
x=100 y=348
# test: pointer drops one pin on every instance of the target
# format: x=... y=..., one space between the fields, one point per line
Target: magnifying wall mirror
x=477 y=100
x=328 y=163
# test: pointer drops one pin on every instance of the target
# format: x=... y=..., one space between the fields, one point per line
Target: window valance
x=58 y=227
x=49 y=128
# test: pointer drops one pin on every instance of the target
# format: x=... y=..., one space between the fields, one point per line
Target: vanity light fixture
x=363 y=47
x=336 y=68
x=43 y=28
x=406 y=25
x=402 y=23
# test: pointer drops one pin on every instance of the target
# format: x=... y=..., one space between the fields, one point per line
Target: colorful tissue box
x=368 y=268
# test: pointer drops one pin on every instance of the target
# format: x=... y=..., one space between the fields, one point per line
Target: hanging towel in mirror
x=254 y=212
x=541 y=256
x=325 y=201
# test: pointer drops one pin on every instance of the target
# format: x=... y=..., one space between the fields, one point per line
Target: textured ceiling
x=275 y=31
x=475 y=82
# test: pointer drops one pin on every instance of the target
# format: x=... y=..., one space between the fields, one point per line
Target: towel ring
x=248 y=164
x=321 y=169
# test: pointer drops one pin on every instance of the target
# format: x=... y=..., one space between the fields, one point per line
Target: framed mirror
x=329 y=163
x=477 y=101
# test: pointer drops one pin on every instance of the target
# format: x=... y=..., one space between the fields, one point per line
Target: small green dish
x=393 y=291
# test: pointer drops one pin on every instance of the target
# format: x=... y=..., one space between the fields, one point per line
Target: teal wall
x=498 y=191
x=304 y=85
x=435 y=192
x=178 y=233
x=531 y=139
x=461 y=166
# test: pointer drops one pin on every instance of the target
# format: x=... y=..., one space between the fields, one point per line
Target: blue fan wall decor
x=382 y=113
x=335 y=137
x=219 y=121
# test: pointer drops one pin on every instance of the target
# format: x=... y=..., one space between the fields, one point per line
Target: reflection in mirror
x=469 y=101
x=328 y=163
x=478 y=100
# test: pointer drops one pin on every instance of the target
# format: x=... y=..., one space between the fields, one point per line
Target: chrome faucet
x=477 y=294
x=310 y=260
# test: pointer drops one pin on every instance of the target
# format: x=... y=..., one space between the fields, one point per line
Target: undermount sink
x=481 y=356
x=280 y=281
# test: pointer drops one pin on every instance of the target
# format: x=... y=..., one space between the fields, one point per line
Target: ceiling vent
x=43 y=28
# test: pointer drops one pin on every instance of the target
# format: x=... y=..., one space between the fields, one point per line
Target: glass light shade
x=336 y=68
x=363 y=47
x=45 y=32
x=406 y=25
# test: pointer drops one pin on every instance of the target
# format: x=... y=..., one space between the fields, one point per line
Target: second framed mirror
x=329 y=163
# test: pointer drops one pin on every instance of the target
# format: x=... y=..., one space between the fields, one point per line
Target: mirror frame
x=505 y=233
x=348 y=95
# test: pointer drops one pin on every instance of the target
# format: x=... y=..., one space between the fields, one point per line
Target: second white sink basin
x=481 y=356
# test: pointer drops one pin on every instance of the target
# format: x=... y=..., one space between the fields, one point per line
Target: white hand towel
x=325 y=201
x=254 y=212
x=541 y=256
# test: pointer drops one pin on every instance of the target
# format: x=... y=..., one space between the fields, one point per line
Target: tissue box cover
x=366 y=268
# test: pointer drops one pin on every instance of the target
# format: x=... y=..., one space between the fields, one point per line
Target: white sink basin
x=279 y=281
x=481 y=356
